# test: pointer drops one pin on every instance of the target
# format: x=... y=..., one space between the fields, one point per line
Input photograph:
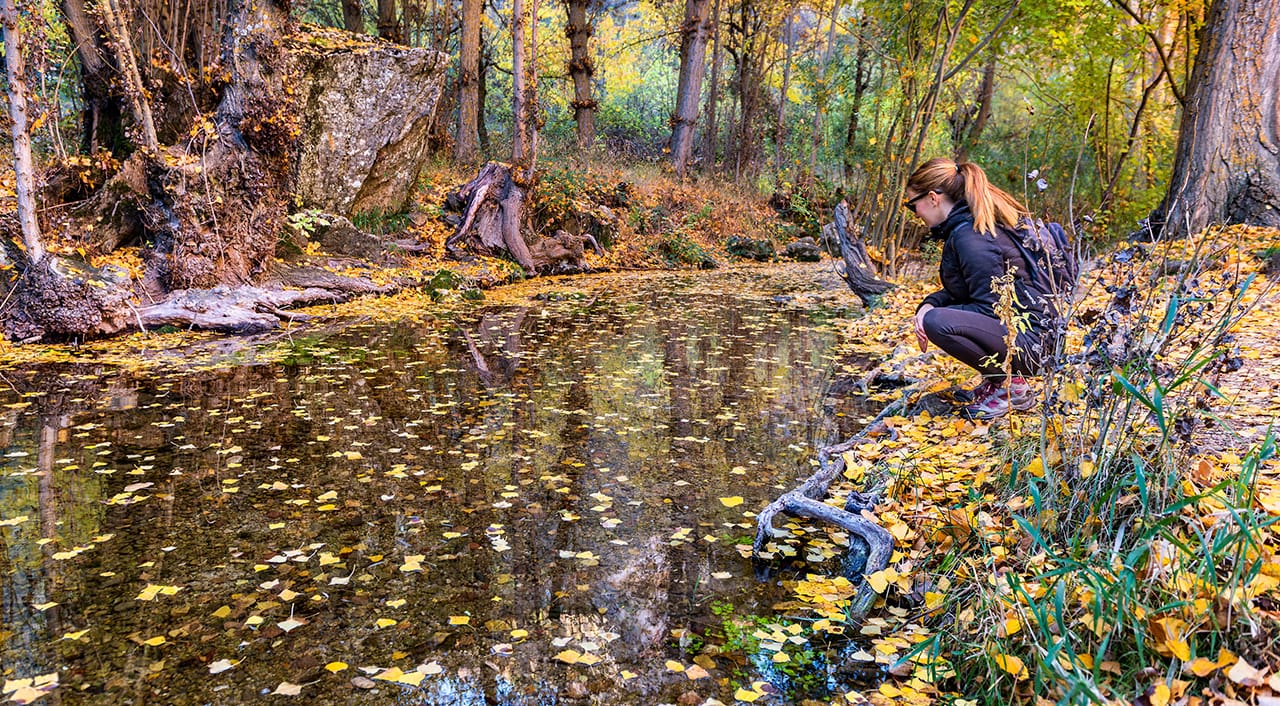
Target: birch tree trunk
x=23 y=166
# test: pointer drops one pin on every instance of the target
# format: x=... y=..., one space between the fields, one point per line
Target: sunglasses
x=910 y=204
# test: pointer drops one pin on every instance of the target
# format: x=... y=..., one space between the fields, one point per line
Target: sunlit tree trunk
x=693 y=61
x=581 y=69
x=711 y=135
x=24 y=168
x=468 y=83
x=352 y=16
x=139 y=101
x=1227 y=162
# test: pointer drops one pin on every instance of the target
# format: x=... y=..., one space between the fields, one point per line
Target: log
x=247 y=310
x=237 y=310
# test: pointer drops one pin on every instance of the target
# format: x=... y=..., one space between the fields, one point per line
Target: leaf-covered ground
x=1115 y=545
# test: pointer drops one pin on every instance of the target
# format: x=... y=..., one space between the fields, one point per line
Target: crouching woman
x=975 y=220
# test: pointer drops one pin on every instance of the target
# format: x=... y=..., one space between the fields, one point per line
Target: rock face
x=367 y=109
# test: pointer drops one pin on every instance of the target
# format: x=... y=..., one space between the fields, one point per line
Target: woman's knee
x=935 y=323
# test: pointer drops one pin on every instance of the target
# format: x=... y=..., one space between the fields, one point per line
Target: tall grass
x=1137 y=552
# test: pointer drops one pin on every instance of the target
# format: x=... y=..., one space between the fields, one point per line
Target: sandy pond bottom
x=532 y=500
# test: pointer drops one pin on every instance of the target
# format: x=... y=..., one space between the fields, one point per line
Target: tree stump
x=492 y=221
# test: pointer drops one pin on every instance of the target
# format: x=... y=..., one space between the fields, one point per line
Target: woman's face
x=932 y=207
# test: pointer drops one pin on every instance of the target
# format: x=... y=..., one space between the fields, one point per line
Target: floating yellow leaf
x=336 y=667
x=75 y=635
x=675 y=666
x=732 y=501
x=1160 y=695
x=569 y=656
x=411 y=678
x=385 y=622
x=746 y=695
x=519 y=634
x=222 y=612
x=155 y=641
x=459 y=620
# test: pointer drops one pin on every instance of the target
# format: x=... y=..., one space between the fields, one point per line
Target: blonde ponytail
x=965 y=181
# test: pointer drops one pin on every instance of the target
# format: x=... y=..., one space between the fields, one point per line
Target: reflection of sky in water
x=406 y=494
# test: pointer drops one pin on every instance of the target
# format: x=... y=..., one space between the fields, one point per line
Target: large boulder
x=367 y=108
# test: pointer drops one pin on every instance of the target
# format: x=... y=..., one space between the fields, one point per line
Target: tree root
x=807 y=499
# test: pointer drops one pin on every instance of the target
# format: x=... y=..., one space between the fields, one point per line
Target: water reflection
x=461 y=500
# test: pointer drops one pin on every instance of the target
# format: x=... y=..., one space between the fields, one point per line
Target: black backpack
x=1051 y=259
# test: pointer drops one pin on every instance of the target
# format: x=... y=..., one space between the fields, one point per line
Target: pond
x=541 y=498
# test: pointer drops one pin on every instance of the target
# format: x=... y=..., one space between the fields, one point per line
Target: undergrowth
x=1117 y=544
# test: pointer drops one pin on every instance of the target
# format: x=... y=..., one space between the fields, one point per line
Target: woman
x=972 y=217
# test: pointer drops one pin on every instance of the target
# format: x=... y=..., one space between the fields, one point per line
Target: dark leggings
x=977 y=340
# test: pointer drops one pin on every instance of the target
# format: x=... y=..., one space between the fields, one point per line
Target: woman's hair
x=965 y=181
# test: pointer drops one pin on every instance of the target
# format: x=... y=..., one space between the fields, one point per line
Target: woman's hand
x=921 y=338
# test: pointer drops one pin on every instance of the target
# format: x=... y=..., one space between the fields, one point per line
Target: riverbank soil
x=1117 y=542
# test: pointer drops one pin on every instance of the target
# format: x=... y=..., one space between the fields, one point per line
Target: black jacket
x=970 y=259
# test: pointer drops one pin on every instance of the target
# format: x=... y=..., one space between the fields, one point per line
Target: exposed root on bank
x=856 y=517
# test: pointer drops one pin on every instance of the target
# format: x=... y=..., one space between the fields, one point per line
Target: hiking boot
x=992 y=400
x=1022 y=396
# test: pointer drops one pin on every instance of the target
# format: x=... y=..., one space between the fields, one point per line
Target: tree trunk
x=353 y=16
x=217 y=221
x=468 y=83
x=482 y=99
x=137 y=92
x=861 y=81
x=388 y=22
x=24 y=168
x=581 y=69
x=780 y=125
x=101 y=122
x=968 y=121
x=711 y=135
x=1227 y=162
x=693 y=60
x=822 y=93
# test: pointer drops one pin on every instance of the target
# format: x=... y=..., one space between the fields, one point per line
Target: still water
x=530 y=500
